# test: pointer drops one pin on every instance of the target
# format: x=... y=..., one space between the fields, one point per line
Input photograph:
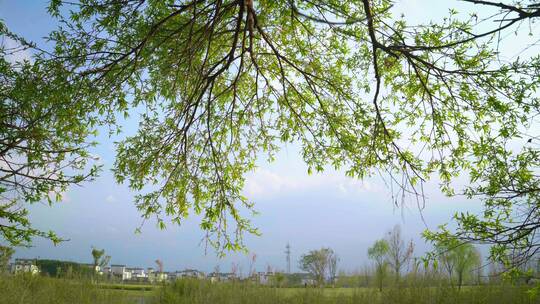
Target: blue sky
x=326 y=209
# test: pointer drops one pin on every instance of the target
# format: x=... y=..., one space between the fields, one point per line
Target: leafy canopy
x=45 y=129
x=224 y=82
x=378 y=251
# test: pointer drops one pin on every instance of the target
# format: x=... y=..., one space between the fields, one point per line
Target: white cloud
x=266 y=183
x=97 y=159
x=110 y=199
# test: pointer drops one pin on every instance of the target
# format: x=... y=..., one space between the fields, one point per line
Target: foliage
x=45 y=127
x=320 y=263
x=359 y=89
x=223 y=81
x=458 y=259
x=64 y=269
x=5 y=256
x=378 y=252
x=467 y=257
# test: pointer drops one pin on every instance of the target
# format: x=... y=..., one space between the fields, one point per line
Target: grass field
x=27 y=289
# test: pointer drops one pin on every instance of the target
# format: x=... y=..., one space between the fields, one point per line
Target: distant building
x=137 y=273
x=221 y=276
x=155 y=277
x=121 y=272
x=25 y=266
x=262 y=277
x=190 y=273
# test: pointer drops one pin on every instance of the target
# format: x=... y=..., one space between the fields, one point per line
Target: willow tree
x=458 y=260
x=378 y=253
x=222 y=82
x=45 y=131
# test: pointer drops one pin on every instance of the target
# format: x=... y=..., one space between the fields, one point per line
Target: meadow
x=22 y=289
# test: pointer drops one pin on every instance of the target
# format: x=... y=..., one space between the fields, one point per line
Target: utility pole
x=288 y=253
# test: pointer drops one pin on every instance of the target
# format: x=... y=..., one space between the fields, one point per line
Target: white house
x=264 y=277
x=157 y=276
x=25 y=266
x=190 y=273
x=121 y=272
x=137 y=273
x=221 y=276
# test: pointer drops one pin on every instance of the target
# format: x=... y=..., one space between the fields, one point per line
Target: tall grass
x=28 y=289
x=34 y=289
x=203 y=292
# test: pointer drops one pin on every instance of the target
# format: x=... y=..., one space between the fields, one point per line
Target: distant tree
x=99 y=257
x=458 y=259
x=317 y=262
x=399 y=253
x=467 y=259
x=333 y=259
x=446 y=261
x=528 y=269
x=58 y=268
x=159 y=264
x=378 y=253
x=5 y=255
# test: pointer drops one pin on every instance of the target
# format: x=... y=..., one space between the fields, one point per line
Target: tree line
x=392 y=256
